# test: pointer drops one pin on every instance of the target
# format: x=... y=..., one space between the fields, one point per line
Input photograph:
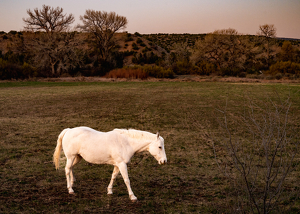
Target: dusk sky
x=173 y=16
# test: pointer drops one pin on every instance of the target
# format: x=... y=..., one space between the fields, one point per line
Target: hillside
x=75 y=54
x=133 y=44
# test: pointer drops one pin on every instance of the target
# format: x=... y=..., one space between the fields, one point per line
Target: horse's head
x=157 y=149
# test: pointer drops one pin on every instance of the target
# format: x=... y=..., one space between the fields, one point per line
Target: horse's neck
x=139 y=145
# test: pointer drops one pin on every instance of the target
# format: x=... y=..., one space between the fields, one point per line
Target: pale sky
x=173 y=16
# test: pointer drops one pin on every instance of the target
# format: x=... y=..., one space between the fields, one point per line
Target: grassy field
x=32 y=114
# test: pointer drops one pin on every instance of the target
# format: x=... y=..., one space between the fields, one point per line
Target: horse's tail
x=56 y=155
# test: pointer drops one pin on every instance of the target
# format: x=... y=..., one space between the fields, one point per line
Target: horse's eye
x=159 y=147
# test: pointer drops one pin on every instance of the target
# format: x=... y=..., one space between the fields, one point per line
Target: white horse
x=115 y=147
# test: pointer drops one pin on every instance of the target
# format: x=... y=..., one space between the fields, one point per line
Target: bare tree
x=102 y=26
x=58 y=51
x=259 y=161
x=48 y=19
x=267 y=31
x=224 y=48
x=52 y=43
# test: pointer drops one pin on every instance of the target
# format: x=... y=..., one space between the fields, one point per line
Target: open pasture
x=32 y=114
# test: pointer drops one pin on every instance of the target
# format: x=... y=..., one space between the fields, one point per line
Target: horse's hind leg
x=69 y=173
x=113 y=177
x=76 y=160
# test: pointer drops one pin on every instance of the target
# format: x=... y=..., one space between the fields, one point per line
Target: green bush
x=183 y=67
x=28 y=70
x=158 y=72
x=137 y=34
x=128 y=37
x=146 y=49
x=205 y=68
x=134 y=46
x=139 y=41
x=278 y=76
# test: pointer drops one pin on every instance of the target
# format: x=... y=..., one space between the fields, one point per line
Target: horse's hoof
x=133 y=199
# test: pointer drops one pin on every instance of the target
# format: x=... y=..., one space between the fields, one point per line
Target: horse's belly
x=96 y=156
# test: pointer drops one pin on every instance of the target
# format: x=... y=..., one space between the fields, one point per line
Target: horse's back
x=80 y=134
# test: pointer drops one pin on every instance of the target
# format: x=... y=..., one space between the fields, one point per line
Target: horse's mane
x=137 y=134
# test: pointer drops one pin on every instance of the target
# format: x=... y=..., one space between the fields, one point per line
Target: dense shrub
x=285 y=68
x=13 y=32
x=10 y=70
x=29 y=71
x=242 y=74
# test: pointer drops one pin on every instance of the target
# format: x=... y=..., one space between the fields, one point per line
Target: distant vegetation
x=42 y=50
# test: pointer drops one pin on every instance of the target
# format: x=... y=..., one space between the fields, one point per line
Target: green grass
x=32 y=114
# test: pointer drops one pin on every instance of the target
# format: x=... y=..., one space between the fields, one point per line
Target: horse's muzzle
x=162 y=161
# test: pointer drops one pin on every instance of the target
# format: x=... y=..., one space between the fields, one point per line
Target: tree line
x=49 y=47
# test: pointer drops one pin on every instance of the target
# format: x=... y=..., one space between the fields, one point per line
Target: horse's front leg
x=113 y=177
x=123 y=169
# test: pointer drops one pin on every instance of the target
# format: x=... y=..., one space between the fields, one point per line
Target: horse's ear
x=157 y=135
